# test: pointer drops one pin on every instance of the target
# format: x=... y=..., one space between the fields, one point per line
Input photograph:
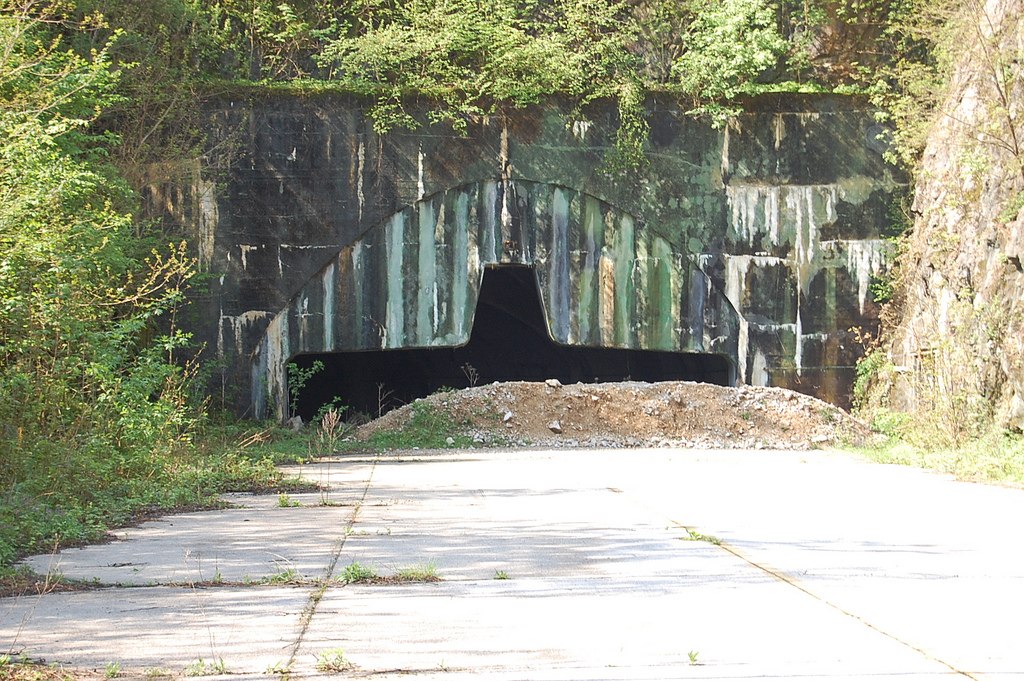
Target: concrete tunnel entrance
x=509 y=342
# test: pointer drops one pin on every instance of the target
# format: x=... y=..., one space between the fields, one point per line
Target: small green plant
x=426 y=572
x=693 y=655
x=157 y=673
x=694 y=535
x=112 y=670
x=281 y=668
x=870 y=368
x=203 y=668
x=890 y=423
x=283 y=576
x=355 y=573
x=332 y=660
x=218 y=578
x=328 y=435
x=285 y=501
x=297 y=380
x=1013 y=207
x=334 y=405
x=500 y=574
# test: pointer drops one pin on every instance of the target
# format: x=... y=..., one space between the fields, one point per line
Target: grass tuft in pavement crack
x=355 y=573
x=281 y=668
x=332 y=660
x=427 y=572
x=361 y=574
x=203 y=668
x=284 y=576
x=694 y=535
x=285 y=501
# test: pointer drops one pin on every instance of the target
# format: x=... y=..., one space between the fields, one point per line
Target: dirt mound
x=631 y=414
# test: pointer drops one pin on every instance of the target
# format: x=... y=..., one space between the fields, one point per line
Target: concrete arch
x=605 y=278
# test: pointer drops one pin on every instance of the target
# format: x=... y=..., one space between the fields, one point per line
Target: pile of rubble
x=632 y=414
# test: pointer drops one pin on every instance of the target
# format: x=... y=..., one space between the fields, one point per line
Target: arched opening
x=509 y=342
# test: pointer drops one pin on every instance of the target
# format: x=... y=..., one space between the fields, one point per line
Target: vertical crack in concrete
x=793 y=582
x=318 y=593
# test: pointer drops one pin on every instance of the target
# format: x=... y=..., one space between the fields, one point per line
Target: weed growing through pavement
x=112 y=670
x=355 y=573
x=285 y=501
x=283 y=576
x=332 y=660
x=203 y=668
x=500 y=574
x=693 y=655
x=426 y=572
x=281 y=668
x=694 y=535
x=157 y=673
x=328 y=435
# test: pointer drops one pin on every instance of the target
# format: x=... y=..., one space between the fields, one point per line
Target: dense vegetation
x=99 y=414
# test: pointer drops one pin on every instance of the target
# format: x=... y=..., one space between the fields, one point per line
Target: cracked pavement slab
x=624 y=564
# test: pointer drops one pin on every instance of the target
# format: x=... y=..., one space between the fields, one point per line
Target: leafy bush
x=729 y=44
x=97 y=416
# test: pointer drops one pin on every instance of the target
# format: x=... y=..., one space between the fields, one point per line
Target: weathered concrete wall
x=604 y=281
x=773 y=222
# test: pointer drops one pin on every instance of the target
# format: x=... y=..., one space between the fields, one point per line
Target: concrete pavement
x=826 y=567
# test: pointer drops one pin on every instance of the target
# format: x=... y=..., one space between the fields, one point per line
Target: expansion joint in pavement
x=318 y=593
x=796 y=584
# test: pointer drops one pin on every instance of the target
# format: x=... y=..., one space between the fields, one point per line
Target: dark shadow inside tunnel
x=509 y=342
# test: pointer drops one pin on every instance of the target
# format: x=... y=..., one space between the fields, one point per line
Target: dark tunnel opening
x=509 y=342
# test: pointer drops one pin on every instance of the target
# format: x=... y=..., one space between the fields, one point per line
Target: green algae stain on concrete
x=619 y=287
x=624 y=251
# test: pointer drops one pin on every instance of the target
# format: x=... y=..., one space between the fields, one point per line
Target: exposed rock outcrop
x=958 y=343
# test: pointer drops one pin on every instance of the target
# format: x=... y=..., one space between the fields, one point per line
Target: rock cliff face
x=958 y=342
